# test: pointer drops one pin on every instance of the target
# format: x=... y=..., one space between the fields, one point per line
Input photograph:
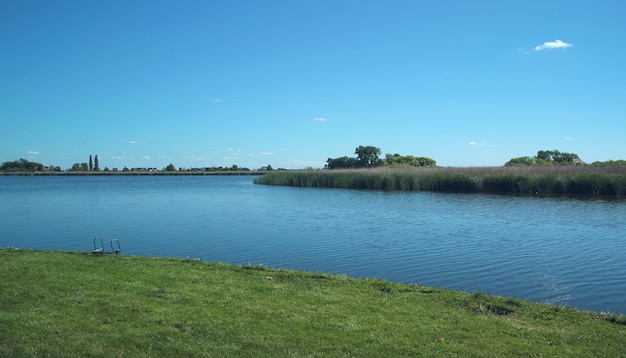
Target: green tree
x=21 y=165
x=80 y=167
x=170 y=168
x=90 y=163
x=367 y=156
x=398 y=160
x=557 y=157
x=96 y=166
x=521 y=161
x=341 y=163
x=546 y=158
x=545 y=155
x=611 y=163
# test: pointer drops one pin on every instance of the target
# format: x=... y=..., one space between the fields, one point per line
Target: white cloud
x=132 y=142
x=552 y=45
x=146 y=157
x=472 y=143
x=233 y=151
x=216 y=100
x=569 y=138
x=321 y=119
x=32 y=152
x=267 y=153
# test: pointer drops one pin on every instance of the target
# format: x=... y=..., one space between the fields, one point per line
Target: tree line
x=93 y=165
x=556 y=157
x=22 y=165
x=365 y=157
x=546 y=158
x=369 y=157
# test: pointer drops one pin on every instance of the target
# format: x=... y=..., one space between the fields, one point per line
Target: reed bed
x=562 y=180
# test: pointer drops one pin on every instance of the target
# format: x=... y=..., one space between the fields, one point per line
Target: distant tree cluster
x=369 y=157
x=398 y=160
x=341 y=163
x=93 y=165
x=610 y=163
x=366 y=157
x=233 y=168
x=546 y=158
x=21 y=165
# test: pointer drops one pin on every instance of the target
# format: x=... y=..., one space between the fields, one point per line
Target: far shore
x=131 y=173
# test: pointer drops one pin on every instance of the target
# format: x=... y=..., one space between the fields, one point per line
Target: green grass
x=72 y=304
x=565 y=180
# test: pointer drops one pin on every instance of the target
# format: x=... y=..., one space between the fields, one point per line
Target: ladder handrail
x=97 y=249
x=116 y=248
x=119 y=248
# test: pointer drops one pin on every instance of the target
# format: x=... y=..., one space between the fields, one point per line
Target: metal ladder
x=99 y=249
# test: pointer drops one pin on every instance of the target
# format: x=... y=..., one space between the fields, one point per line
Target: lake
x=556 y=250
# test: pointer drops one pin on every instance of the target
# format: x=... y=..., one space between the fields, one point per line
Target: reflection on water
x=564 y=251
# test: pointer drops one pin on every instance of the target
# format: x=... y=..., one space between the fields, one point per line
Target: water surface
x=555 y=250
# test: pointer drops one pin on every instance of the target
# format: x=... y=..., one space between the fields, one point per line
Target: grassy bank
x=566 y=180
x=78 y=304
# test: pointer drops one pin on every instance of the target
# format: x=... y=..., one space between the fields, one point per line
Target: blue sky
x=292 y=83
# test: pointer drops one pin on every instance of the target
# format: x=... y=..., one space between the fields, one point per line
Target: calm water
x=564 y=251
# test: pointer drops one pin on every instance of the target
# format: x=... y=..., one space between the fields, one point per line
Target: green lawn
x=82 y=305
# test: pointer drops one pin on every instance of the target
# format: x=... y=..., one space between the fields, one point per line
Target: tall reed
x=581 y=180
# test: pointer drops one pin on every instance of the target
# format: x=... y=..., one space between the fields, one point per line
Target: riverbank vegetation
x=137 y=173
x=527 y=180
x=71 y=304
x=369 y=157
x=550 y=172
x=547 y=158
x=26 y=167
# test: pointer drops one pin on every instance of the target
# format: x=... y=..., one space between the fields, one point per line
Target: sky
x=202 y=83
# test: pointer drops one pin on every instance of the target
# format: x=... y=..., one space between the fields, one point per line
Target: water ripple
x=563 y=251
